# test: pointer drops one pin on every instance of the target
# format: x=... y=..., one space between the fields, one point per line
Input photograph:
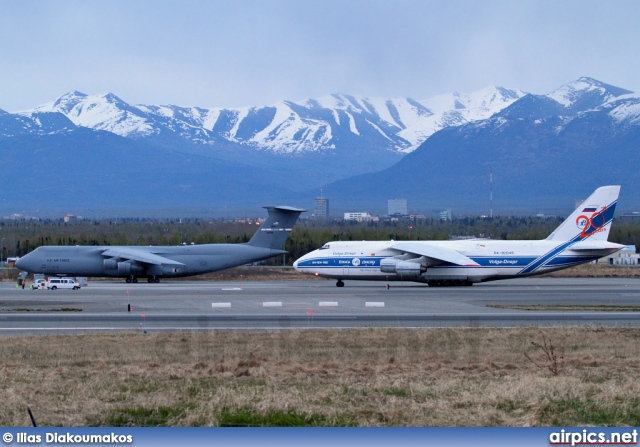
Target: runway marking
x=328 y=304
x=232 y=288
x=374 y=304
x=220 y=304
x=272 y=304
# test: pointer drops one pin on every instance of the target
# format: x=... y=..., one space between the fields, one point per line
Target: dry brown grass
x=366 y=377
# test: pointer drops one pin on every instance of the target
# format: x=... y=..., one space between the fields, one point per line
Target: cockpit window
x=324 y=247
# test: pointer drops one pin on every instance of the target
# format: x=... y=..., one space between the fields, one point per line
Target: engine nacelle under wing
x=402 y=268
x=128 y=268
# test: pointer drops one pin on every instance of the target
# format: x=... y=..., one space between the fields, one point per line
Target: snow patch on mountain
x=288 y=132
x=567 y=94
x=585 y=93
x=101 y=112
x=624 y=109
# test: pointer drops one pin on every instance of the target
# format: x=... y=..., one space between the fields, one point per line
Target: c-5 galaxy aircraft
x=581 y=238
x=155 y=262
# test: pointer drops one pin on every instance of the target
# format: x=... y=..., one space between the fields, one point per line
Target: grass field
x=367 y=377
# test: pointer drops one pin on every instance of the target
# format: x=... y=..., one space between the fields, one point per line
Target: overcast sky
x=253 y=53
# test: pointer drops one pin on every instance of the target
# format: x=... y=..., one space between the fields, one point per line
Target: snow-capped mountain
x=543 y=151
x=316 y=125
x=585 y=93
x=100 y=152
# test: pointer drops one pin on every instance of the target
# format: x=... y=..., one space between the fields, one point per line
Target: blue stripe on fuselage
x=342 y=262
x=554 y=258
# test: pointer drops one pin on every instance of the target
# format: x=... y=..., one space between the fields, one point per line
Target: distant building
x=626 y=256
x=397 y=206
x=417 y=217
x=69 y=218
x=445 y=215
x=360 y=217
x=321 y=207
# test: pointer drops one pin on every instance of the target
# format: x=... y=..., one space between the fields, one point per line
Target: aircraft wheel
x=156 y=280
x=339 y=283
x=150 y=280
x=135 y=280
x=128 y=280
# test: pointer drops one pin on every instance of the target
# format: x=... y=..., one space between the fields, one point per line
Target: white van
x=62 y=283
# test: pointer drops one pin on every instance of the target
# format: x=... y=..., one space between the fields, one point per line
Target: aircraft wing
x=139 y=255
x=435 y=252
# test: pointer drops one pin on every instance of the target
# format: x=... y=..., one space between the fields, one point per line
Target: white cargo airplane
x=581 y=238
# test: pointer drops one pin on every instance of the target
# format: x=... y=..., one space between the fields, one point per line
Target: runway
x=268 y=305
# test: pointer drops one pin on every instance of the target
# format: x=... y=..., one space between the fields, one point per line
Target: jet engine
x=402 y=268
x=128 y=268
x=110 y=264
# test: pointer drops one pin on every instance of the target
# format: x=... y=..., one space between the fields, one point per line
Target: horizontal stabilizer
x=133 y=254
x=596 y=245
x=435 y=252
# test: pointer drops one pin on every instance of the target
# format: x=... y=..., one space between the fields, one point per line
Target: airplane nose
x=295 y=265
x=25 y=263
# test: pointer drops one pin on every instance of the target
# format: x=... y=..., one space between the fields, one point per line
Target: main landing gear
x=150 y=279
x=448 y=283
x=339 y=283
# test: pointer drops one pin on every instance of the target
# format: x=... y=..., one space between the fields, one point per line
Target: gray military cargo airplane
x=155 y=262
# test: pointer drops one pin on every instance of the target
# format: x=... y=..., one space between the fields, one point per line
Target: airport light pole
x=1 y=250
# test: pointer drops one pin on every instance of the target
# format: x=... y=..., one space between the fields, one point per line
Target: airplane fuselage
x=190 y=260
x=155 y=262
x=492 y=260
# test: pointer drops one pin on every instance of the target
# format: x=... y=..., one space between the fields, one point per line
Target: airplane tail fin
x=592 y=219
x=275 y=230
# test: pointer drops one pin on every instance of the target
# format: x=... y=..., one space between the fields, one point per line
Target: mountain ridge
x=541 y=153
x=361 y=151
x=286 y=127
